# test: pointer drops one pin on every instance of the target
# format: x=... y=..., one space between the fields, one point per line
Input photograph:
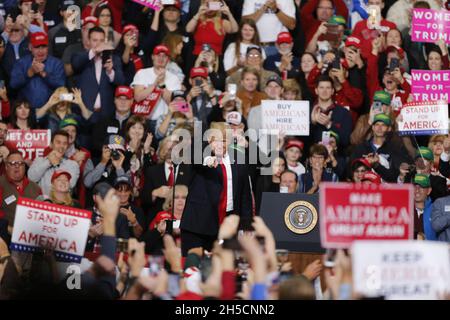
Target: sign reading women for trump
x=403 y=270
x=423 y=118
x=430 y=25
x=45 y=225
x=350 y=212
x=430 y=85
x=31 y=143
x=289 y=117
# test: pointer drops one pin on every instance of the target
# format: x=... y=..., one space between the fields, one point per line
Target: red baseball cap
x=129 y=27
x=161 y=48
x=353 y=42
x=90 y=19
x=59 y=173
x=294 y=143
x=176 y=4
x=363 y=161
x=284 y=37
x=199 y=72
x=23 y=1
x=372 y=177
x=161 y=216
x=400 y=51
x=124 y=91
x=39 y=39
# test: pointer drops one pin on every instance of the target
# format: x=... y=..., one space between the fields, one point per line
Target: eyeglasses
x=16 y=30
x=16 y=164
x=254 y=55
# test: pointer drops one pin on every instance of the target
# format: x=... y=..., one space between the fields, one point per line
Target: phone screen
x=326 y=138
x=106 y=55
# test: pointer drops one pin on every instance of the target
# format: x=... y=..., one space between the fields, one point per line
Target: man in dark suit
x=220 y=187
x=160 y=179
x=98 y=72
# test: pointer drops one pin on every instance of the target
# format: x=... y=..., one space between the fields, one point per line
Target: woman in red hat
x=60 y=190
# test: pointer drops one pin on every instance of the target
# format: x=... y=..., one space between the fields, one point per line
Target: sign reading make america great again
x=350 y=212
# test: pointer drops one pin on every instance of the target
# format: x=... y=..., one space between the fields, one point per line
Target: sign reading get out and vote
x=430 y=25
x=403 y=270
x=430 y=85
x=45 y=225
x=31 y=143
x=289 y=117
x=423 y=118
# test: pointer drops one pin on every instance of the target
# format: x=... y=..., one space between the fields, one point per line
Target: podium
x=294 y=222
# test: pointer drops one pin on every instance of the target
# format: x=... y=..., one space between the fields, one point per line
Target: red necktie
x=223 y=196
x=171 y=179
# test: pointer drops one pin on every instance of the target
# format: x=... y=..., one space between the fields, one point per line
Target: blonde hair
x=58 y=92
x=68 y=201
x=292 y=85
x=179 y=189
x=172 y=40
x=217 y=20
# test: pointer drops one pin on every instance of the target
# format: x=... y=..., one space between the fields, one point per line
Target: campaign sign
x=430 y=85
x=31 y=143
x=423 y=118
x=45 y=225
x=289 y=117
x=430 y=25
x=406 y=270
x=350 y=212
x=152 y=4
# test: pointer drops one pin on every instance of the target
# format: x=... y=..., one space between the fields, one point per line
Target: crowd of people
x=121 y=86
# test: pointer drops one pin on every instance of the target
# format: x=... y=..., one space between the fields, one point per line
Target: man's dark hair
x=421 y=4
x=60 y=133
x=318 y=149
x=13 y=152
x=289 y=171
x=324 y=78
x=95 y=29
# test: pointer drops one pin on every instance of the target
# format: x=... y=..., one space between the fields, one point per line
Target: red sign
x=351 y=212
x=31 y=143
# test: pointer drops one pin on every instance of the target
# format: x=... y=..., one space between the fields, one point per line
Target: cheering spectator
x=16 y=44
x=235 y=54
x=58 y=108
x=35 y=76
x=249 y=94
x=292 y=90
x=201 y=96
x=334 y=27
x=14 y=184
x=437 y=57
x=64 y=34
x=383 y=155
x=316 y=173
x=105 y=21
x=326 y=115
x=99 y=71
x=271 y=17
x=209 y=59
x=358 y=168
x=323 y=10
x=98 y=227
x=116 y=123
x=154 y=86
x=60 y=190
x=293 y=153
x=4 y=151
x=21 y=116
x=436 y=145
x=42 y=169
x=255 y=61
x=175 y=43
x=422 y=208
x=283 y=62
x=135 y=216
x=208 y=26
x=78 y=154
x=440 y=219
x=180 y=112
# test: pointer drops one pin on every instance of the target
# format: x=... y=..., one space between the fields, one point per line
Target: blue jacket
x=430 y=234
x=37 y=90
x=90 y=88
x=9 y=57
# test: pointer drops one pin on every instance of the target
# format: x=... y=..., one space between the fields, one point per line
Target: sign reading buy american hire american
x=350 y=212
x=45 y=225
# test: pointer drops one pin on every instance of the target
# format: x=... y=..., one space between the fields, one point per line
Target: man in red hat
x=153 y=86
x=284 y=62
x=36 y=76
x=201 y=96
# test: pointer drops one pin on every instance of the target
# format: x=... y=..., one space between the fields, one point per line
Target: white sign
x=406 y=270
x=423 y=118
x=46 y=225
x=289 y=117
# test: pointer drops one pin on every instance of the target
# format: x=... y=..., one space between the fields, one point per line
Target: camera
x=394 y=64
x=35 y=7
x=115 y=154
